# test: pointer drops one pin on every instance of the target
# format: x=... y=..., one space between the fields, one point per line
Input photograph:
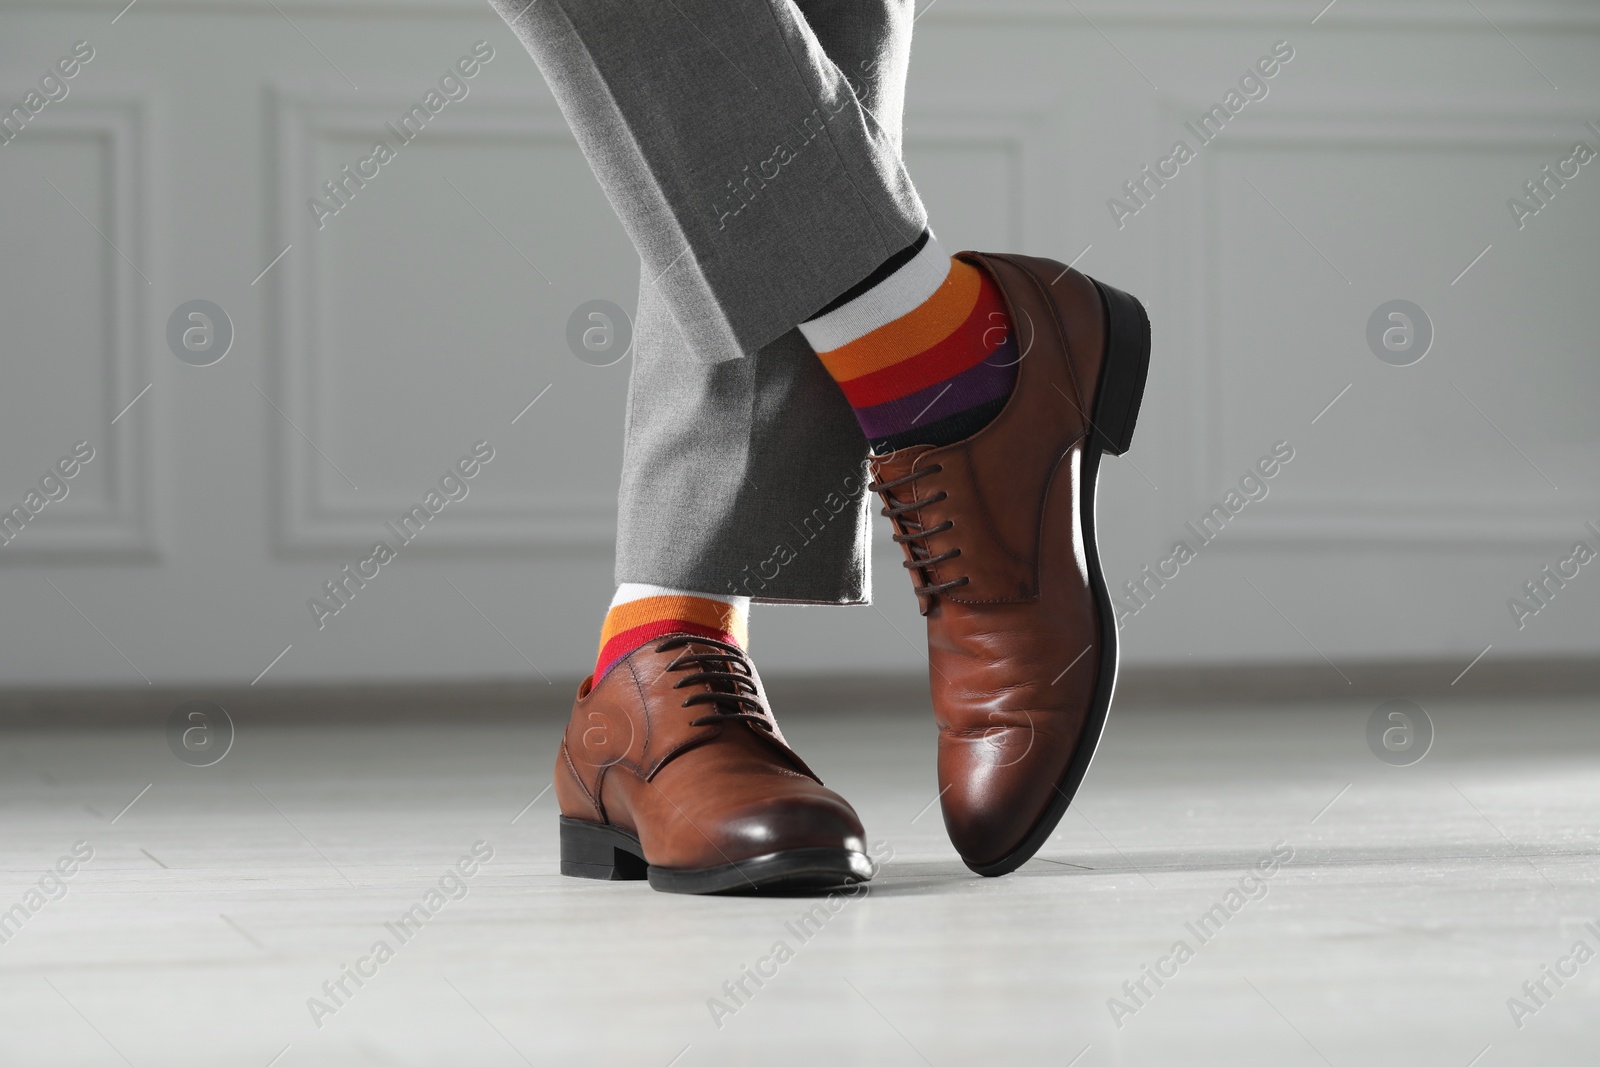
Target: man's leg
x=672 y=765
x=990 y=386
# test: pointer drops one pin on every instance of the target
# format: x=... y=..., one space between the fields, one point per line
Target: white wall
x=425 y=315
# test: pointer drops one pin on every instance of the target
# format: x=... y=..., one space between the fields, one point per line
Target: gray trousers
x=751 y=149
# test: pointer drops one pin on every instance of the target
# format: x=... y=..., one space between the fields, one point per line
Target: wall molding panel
x=1527 y=515
x=120 y=525
x=316 y=519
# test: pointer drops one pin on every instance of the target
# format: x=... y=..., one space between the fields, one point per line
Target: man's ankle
x=641 y=613
x=927 y=355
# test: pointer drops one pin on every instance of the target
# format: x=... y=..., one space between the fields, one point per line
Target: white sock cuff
x=630 y=591
x=897 y=295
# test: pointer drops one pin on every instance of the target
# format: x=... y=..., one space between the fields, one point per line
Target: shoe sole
x=609 y=853
x=1116 y=409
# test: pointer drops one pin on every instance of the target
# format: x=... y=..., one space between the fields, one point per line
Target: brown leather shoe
x=999 y=536
x=673 y=768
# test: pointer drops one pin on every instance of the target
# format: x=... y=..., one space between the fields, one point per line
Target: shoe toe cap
x=816 y=818
x=997 y=785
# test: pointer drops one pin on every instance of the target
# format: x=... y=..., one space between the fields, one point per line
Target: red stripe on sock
x=631 y=638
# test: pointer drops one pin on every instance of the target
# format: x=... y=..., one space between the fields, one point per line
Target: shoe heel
x=1127 y=363
x=590 y=850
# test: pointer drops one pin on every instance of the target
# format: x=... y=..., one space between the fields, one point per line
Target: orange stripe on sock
x=712 y=614
x=931 y=322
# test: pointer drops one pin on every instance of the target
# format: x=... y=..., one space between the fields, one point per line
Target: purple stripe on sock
x=989 y=380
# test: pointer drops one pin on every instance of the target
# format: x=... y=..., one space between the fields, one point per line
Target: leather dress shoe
x=672 y=768
x=999 y=536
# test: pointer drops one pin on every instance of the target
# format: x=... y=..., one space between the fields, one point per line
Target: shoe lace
x=912 y=533
x=728 y=677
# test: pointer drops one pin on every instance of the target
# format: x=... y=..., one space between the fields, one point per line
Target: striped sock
x=641 y=613
x=923 y=349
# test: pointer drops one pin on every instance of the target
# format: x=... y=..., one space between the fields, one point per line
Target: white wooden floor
x=1417 y=901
